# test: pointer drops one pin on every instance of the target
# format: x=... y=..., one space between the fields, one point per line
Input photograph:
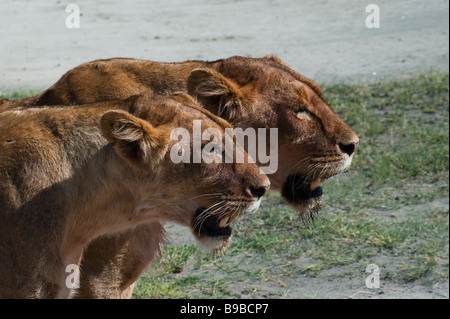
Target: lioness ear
x=216 y=92
x=134 y=139
x=184 y=98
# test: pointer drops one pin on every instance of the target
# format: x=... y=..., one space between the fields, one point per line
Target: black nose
x=259 y=191
x=348 y=148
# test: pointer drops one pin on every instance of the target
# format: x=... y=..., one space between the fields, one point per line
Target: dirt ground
x=325 y=40
x=339 y=282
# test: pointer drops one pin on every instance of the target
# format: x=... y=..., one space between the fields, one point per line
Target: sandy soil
x=325 y=40
x=340 y=282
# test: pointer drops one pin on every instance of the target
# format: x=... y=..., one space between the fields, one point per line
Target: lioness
x=68 y=175
x=313 y=143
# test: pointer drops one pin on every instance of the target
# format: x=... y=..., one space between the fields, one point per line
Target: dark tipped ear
x=275 y=59
x=217 y=93
x=313 y=85
x=134 y=139
x=138 y=105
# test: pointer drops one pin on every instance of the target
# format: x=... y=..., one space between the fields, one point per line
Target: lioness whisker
x=299 y=162
x=200 y=222
x=210 y=194
x=207 y=212
x=227 y=211
x=237 y=210
x=324 y=170
x=312 y=170
x=292 y=168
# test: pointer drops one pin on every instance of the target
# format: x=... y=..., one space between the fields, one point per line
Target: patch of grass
x=18 y=95
x=155 y=282
x=376 y=212
x=403 y=126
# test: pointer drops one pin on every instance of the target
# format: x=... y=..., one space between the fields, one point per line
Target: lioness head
x=207 y=195
x=314 y=144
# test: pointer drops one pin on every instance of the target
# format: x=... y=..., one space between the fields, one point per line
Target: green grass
x=18 y=95
x=377 y=212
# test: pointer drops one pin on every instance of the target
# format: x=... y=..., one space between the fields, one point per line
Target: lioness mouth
x=212 y=225
x=298 y=189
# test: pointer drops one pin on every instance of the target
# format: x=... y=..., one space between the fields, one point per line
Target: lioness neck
x=70 y=186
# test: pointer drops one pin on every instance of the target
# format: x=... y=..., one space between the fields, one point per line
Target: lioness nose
x=259 y=191
x=348 y=148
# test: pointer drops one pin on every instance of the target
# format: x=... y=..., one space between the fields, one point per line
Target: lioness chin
x=69 y=175
x=314 y=144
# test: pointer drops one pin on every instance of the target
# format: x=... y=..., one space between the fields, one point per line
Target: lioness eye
x=302 y=113
x=301 y=109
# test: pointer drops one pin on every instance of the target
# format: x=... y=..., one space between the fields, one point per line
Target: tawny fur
x=69 y=175
x=248 y=92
